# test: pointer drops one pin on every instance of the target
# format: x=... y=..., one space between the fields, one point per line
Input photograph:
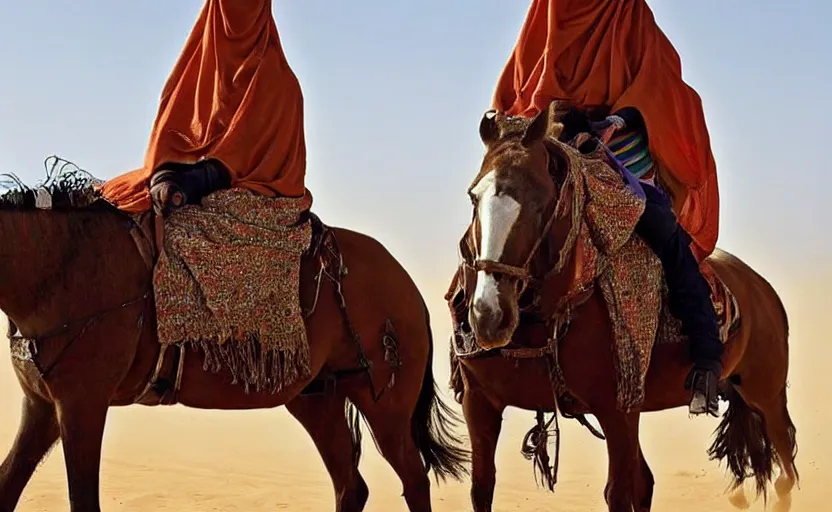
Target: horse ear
x=536 y=131
x=489 y=131
x=555 y=113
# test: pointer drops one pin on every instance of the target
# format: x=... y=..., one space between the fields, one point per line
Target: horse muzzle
x=493 y=315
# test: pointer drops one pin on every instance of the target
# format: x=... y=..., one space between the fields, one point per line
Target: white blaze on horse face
x=497 y=214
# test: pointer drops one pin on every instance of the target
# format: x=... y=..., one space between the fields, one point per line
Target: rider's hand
x=166 y=194
x=606 y=128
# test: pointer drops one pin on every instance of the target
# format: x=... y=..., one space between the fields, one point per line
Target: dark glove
x=167 y=192
x=605 y=128
x=186 y=184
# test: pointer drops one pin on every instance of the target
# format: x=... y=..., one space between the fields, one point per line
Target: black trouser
x=690 y=299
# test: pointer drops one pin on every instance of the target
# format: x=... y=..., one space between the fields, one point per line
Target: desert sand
x=177 y=459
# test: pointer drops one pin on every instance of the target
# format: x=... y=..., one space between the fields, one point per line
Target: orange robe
x=231 y=97
x=611 y=53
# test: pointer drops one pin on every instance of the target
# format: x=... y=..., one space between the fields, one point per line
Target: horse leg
x=484 y=424
x=644 y=483
x=621 y=431
x=781 y=431
x=36 y=434
x=745 y=439
x=395 y=441
x=394 y=423
x=393 y=432
x=756 y=431
x=82 y=430
x=323 y=417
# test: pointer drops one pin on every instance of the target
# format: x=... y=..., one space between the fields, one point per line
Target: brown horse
x=516 y=238
x=73 y=281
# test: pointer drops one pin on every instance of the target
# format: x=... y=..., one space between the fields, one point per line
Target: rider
x=231 y=114
x=595 y=53
x=626 y=137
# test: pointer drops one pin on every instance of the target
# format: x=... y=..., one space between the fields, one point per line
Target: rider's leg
x=689 y=297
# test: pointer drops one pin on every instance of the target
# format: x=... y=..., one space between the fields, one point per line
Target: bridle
x=523 y=274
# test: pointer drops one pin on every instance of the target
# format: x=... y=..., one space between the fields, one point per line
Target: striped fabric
x=630 y=148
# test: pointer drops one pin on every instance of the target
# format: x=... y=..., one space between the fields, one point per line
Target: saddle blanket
x=227 y=282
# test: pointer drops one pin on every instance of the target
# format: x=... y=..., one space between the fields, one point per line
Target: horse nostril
x=485 y=311
x=498 y=276
x=479 y=306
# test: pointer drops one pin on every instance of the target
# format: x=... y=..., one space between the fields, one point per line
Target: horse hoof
x=783 y=486
x=783 y=505
x=739 y=499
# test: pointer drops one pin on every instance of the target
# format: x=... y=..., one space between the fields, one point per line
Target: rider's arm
x=631 y=117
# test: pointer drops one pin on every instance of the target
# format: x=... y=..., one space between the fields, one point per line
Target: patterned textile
x=630 y=277
x=227 y=281
x=630 y=148
x=631 y=285
x=625 y=269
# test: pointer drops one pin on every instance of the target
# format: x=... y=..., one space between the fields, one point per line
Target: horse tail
x=742 y=442
x=432 y=426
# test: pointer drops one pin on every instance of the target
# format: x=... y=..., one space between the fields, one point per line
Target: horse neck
x=563 y=234
x=58 y=263
x=556 y=286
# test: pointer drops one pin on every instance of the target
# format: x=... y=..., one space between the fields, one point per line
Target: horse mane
x=66 y=187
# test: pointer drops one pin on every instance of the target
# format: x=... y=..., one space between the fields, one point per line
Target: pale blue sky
x=394 y=92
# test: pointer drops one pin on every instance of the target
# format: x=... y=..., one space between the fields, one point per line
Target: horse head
x=517 y=232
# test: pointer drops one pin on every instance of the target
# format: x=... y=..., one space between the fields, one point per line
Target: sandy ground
x=186 y=460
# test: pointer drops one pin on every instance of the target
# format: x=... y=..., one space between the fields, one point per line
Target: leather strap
x=142 y=232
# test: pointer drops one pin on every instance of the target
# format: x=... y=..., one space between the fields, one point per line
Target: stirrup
x=704 y=393
x=699 y=405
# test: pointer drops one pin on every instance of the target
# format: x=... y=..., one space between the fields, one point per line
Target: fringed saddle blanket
x=623 y=267
x=227 y=281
